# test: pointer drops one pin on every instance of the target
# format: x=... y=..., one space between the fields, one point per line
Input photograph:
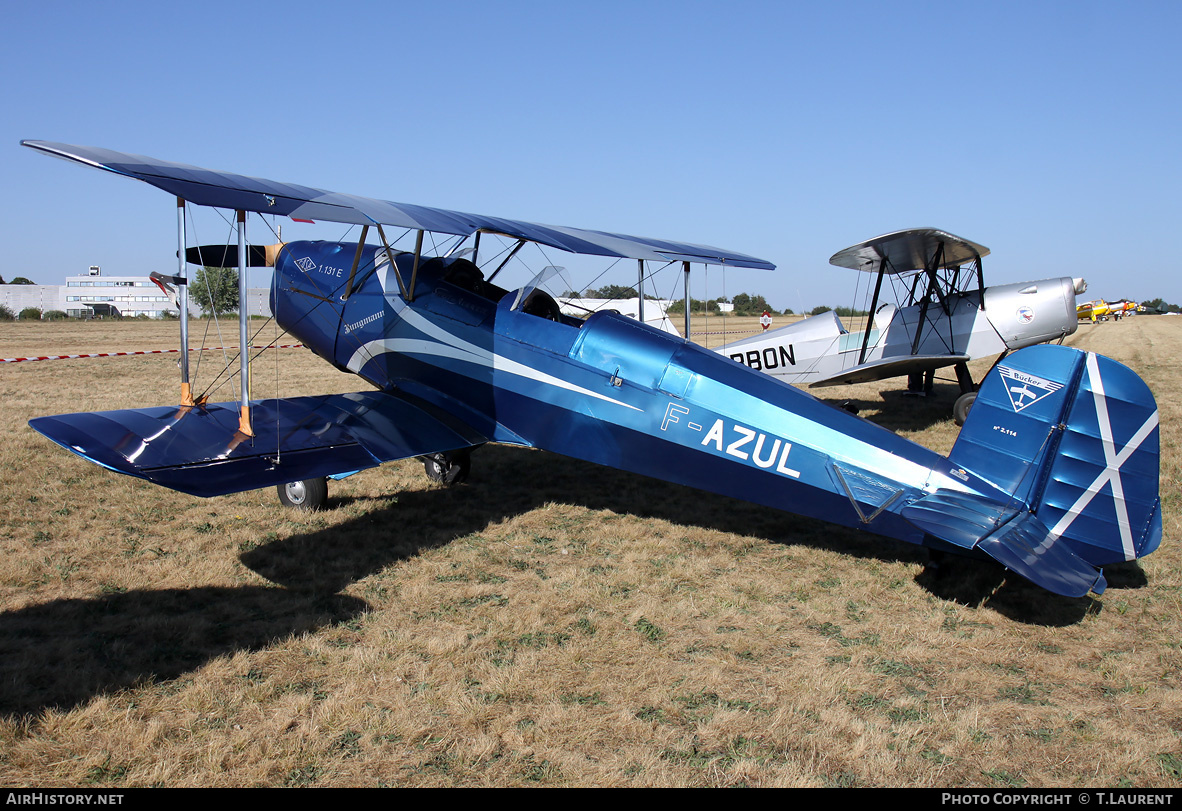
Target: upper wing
x=912 y=249
x=198 y=450
x=224 y=190
x=890 y=367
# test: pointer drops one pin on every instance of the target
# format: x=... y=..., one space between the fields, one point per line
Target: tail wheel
x=307 y=495
x=448 y=468
x=960 y=409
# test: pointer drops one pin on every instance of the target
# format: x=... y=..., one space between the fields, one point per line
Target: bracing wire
x=224 y=375
x=209 y=294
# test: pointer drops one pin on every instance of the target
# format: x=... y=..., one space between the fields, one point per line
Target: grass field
x=549 y=623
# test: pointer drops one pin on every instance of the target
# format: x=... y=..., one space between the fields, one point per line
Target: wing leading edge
x=226 y=190
x=198 y=450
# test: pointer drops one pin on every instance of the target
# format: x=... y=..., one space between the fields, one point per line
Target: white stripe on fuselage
x=841 y=447
x=448 y=345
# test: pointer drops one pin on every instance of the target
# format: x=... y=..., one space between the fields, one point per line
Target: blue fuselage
x=608 y=390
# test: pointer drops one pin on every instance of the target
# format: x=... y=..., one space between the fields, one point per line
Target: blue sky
x=1047 y=131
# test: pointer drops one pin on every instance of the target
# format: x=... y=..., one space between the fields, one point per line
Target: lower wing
x=199 y=450
x=890 y=367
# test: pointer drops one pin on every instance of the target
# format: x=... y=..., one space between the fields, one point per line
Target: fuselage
x=1009 y=317
x=608 y=390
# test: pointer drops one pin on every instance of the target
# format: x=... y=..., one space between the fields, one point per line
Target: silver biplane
x=943 y=315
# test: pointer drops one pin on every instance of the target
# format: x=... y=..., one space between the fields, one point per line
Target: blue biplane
x=1054 y=475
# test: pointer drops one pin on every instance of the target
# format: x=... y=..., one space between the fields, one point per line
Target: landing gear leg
x=915 y=385
x=968 y=394
x=448 y=468
x=921 y=384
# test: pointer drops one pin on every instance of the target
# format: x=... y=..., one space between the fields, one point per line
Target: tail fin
x=1073 y=436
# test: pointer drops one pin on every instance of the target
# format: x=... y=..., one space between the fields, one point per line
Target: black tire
x=960 y=409
x=447 y=468
x=307 y=496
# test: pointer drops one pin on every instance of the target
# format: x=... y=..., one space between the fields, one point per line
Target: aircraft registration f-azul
x=943 y=316
x=1054 y=475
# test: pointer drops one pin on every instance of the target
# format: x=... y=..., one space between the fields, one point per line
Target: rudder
x=1074 y=437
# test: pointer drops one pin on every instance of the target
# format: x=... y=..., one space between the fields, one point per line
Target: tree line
x=1159 y=305
x=746 y=304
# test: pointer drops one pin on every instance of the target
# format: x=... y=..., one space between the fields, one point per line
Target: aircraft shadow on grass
x=64 y=653
x=508 y=482
x=897 y=411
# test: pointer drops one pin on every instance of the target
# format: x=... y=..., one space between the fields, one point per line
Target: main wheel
x=307 y=495
x=447 y=468
x=960 y=409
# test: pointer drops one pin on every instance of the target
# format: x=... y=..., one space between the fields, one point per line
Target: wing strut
x=356 y=262
x=390 y=259
x=414 y=271
x=183 y=302
x=933 y=285
x=980 y=284
x=243 y=332
x=640 y=290
x=520 y=244
x=873 y=306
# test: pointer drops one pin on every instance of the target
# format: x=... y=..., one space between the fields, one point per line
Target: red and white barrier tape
x=143 y=352
x=725 y=332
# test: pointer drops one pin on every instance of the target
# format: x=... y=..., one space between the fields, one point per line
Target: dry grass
x=549 y=623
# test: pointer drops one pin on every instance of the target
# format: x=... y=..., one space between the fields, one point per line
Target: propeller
x=226 y=256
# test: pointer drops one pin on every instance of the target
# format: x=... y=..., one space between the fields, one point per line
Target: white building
x=93 y=294
x=17 y=297
x=127 y=296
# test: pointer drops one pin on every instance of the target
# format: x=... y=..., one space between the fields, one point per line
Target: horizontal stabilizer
x=199 y=450
x=1026 y=546
x=961 y=519
x=1017 y=540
